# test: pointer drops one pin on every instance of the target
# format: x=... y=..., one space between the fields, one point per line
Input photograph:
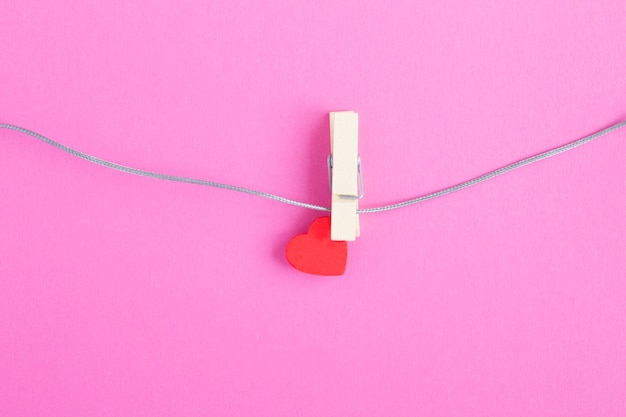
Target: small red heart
x=314 y=252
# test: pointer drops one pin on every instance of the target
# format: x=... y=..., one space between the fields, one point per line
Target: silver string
x=158 y=176
x=416 y=200
x=499 y=171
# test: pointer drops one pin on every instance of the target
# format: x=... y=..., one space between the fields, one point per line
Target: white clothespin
x=344 y=170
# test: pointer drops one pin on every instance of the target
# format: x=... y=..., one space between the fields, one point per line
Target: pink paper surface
x=122 y=295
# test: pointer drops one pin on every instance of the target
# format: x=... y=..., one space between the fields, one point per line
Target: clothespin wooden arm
x=344 y=163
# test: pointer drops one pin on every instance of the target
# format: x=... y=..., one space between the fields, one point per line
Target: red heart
x=314 y=252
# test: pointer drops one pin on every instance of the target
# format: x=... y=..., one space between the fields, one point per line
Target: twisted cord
x=405 y=203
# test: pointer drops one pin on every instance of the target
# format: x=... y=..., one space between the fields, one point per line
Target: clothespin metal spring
x=360 y=181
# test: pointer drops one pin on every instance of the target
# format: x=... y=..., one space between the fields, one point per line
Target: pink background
x=122 y=295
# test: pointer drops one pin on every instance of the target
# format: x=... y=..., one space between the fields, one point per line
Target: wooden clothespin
x=344 y=167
